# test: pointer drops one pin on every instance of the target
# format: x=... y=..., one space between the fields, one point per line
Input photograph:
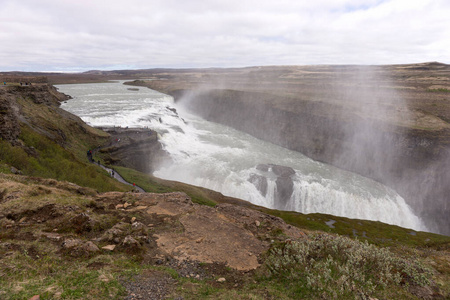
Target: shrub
x=339 y=267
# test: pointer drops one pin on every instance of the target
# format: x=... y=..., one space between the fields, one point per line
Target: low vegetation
x=337 y=267
x=153 y=184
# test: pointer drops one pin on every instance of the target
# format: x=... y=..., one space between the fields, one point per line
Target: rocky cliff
x=9 y=123
x=15 y=110
x=134 y=148
x=412 y=161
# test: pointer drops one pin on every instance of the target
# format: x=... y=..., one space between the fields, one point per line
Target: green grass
x=152 y=184
x=56 y=277
x=4 y=168
x=76 y=136
x=374 y=232
x=49 y=160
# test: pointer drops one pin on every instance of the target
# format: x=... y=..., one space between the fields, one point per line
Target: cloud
x=83 y=34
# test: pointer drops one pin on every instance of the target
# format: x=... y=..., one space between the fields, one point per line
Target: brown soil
x=225 y=234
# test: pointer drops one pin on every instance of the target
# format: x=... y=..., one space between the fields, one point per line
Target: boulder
x=78 y=248
x=282 y=171
x=109 y=247
x=260 y=182
x=90 y=247
x=263 y=167
x=82 y=223
x=115 y=233
x=130 y=245
x=138 y=227
x=285 y=188
x=15 y=171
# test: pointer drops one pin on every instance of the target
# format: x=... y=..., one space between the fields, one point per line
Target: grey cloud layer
x=62 y=34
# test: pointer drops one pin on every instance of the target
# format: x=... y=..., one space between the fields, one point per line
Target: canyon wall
x=415 y=162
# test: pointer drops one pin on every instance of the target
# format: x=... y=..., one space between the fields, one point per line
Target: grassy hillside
x=55 y=224
x=51 y=142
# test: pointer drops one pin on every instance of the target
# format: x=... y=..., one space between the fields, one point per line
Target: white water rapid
x=223 y=159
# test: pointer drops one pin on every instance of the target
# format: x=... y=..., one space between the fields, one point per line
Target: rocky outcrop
x=284 y=183
x=260 y=182
x=135 y=148
x=24 y=105
x=39 y=94
x=9 y=123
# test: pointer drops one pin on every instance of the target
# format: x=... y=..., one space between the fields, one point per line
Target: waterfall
x=236 y=164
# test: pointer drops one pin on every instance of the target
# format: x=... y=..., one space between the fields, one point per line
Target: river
x=223 y=159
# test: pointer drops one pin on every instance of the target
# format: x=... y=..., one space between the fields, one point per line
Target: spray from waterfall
x=221 y=158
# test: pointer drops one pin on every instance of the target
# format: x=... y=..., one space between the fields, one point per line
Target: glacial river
x=223 y=159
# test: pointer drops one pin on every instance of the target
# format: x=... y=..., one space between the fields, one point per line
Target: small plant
x=338 y=267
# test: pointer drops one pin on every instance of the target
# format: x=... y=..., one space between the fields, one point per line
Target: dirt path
x=119 y=178
x=111 y=171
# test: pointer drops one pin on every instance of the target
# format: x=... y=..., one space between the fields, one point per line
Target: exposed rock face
x=260 y=182
x=134 y=148
x=282 y=171
x=9 y=123
x=285 y=187
x=284 y=183
x=23 y=105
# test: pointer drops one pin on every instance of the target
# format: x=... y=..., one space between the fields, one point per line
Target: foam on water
x=220 y=158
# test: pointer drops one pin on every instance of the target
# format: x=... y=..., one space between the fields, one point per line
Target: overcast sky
x=79 y=35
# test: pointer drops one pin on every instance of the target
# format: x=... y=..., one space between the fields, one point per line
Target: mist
x=355 y=118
